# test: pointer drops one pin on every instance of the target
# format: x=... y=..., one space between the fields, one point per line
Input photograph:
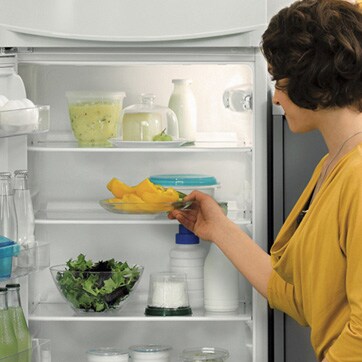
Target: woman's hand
x=204 y=218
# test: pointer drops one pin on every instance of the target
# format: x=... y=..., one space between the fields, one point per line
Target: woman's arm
x=207 y=220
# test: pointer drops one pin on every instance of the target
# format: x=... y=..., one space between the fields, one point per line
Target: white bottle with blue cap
x=188 y=257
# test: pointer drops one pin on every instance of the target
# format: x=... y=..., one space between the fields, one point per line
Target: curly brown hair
x=317 y=46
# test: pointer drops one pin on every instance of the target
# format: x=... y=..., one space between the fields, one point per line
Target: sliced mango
x=119 y=188
x=168 y=195
x=144 y=197
x=146 y=186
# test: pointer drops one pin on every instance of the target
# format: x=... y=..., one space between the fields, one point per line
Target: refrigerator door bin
x=40 y=352
x=30 y=260
x=25 y=121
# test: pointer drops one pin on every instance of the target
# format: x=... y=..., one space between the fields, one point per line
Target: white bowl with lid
x=150 y=352
x=107 y=354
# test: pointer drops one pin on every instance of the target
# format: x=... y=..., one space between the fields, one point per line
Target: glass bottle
x=8 y=217
x=18 y=321
x=24 y=208
x=183 y=103
x=8 y=343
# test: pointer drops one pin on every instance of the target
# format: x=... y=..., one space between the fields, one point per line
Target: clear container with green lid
x=202 y=354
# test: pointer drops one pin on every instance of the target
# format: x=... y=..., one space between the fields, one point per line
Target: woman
x=314 y=273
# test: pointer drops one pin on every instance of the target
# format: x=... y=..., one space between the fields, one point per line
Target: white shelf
x=92 y=213
x=39 y=352
x=132 y=311
x=72 y=146
x=30 y=260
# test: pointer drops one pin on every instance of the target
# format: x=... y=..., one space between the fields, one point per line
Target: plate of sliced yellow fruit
x=143 y=198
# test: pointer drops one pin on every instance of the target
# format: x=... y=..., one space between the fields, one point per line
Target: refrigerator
x=49 y=48
x=293 y=159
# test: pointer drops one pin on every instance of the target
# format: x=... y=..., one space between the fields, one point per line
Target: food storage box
x=94 y=116
x=8 y=249
x=204 y=354
x=186 y=183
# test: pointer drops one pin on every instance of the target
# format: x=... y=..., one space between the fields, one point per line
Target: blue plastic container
x=187 y=182
x=8 y=249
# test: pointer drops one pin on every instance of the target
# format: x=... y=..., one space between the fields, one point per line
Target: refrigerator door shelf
x=39 y=352
x=24 y=121
x=30 y=260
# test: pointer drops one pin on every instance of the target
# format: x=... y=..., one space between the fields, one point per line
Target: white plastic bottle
x=188 y=257
x=183 y=103
x=221 y=282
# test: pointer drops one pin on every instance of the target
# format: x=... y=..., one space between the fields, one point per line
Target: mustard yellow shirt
x=317 y=266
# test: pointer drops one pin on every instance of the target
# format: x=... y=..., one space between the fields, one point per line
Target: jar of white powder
x=167 y=295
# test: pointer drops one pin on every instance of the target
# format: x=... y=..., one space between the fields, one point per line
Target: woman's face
x=299 y=119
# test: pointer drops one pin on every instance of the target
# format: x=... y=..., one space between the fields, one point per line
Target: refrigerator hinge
x=16 y=50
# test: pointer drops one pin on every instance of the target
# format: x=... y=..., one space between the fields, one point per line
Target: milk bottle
x=183 y=103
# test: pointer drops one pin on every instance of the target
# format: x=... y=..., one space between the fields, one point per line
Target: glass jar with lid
x=150 y=352
x=204 y=354
x=147 y=121
x=107 y=354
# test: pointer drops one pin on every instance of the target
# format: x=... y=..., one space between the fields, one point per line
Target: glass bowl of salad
x=98 y=287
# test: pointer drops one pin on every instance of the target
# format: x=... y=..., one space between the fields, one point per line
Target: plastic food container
x=8 y=249
x=150 y=352
x=107 y=354
x=187 y=182
x=203 y=354
x=167 y=295
x=94 y=116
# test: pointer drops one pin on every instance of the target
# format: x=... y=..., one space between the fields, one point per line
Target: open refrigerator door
x=69 y=179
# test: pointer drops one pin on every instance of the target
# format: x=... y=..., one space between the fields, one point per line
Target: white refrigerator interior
x=68 y=181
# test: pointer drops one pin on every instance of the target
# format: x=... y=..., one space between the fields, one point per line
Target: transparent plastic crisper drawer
x=30 y=260
x=24 y=121
x=40 y=352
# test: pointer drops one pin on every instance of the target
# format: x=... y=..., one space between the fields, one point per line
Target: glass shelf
x=133 y=311
x=40 y=352
x=26 y=121
x=30 y=260
x=93 y=213
x=64 y=142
